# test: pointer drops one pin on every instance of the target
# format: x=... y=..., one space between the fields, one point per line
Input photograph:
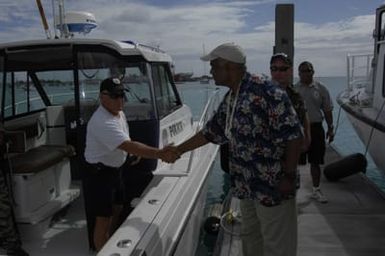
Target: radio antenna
x=43 y=19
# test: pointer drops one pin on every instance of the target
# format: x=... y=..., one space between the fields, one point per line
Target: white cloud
x=181 y=31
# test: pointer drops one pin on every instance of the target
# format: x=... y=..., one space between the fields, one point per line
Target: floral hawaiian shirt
x=261 y=121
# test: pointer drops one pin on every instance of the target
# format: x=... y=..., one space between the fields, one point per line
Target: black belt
x=102 y=167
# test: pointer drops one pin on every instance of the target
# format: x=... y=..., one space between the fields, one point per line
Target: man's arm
x=194 y=142
x=289 y=167
x=292 y=153
x=329 y=122
x=307 y=138
x=142 y=150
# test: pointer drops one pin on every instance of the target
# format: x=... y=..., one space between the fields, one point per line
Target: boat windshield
x=41 y=77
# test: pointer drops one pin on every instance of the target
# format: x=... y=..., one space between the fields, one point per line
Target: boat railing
x=208 y=111
x=359 y=71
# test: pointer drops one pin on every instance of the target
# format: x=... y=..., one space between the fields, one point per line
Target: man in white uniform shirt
x=107 y=145
x=320 y=106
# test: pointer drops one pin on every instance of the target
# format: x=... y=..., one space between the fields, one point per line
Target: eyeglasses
x=114 y=96
x=305 y=70
x=279 y=68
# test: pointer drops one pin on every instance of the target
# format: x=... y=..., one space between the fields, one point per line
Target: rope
x=372 y=130
x=338 y=119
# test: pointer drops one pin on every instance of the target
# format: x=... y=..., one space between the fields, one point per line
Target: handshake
x=169 y=153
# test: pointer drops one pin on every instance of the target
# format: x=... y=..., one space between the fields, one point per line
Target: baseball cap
x=281 y=56
x=113 y=86
x=227 y=51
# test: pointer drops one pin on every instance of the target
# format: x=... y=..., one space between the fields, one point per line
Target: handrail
x=359 y=71
x=207 y=113
x=209 y=110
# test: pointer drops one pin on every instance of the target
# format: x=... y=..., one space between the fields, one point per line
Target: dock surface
x=352 y=223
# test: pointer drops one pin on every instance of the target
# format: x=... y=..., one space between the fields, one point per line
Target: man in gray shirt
x=319 y=106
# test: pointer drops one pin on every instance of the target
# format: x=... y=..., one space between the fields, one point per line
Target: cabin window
x=58 y=85
x=20 y=94
x=36 y=77
x=94 y=67
x=165 y=94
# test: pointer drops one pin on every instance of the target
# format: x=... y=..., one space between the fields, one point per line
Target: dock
x=352 y=223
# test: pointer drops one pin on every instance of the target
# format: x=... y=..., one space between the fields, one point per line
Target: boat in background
x=46 y=130
x=183 y=77
x=364 y=98
x=204 y=79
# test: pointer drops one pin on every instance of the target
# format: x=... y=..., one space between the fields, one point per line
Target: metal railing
x=208 y=111
x=359 y=70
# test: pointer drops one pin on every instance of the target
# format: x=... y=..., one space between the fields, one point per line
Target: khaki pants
x=269 y=231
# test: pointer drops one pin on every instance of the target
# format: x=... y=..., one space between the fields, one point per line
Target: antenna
x=54 y=20
x=43 y=19
x=72 y=22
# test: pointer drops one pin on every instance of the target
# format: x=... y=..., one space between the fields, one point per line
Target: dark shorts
x=102 y=188
x=135 y=179
x=316 y=151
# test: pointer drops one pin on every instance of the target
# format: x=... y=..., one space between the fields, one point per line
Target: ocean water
x=346 y=142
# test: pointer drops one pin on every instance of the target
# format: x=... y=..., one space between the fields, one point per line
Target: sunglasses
x=114 y=96
x=281 y=68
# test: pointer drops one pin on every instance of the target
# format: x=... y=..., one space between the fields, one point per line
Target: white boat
x=47 y=125
x=205 y=79
x=364 y=98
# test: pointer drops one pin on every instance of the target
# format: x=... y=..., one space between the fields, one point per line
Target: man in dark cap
x=281 y=70
x=107 y=145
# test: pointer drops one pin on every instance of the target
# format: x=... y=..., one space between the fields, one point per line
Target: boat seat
x=40 y=158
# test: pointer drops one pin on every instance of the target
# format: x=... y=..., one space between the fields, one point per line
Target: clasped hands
x=169 y=153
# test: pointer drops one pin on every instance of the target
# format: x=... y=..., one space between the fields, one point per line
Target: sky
x=325 y=31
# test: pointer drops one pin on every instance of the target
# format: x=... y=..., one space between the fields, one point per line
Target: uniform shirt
x=105 y=132
x=262 y=122
x=316 y=98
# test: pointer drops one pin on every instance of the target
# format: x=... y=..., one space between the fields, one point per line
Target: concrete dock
x=352 y=223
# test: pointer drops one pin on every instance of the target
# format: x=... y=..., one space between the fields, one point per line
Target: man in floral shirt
x=264 y=136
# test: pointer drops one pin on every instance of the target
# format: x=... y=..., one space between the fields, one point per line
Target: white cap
x=227 y=51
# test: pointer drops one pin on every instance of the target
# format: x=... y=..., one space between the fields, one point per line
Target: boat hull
x=370 y=136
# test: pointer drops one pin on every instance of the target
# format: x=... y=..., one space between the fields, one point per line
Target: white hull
x=370 y=138
x=364 y=98
x=172 y=227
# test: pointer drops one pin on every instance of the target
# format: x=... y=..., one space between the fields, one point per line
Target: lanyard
x=230 y=115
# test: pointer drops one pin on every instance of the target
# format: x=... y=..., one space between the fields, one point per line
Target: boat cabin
x=49 y=90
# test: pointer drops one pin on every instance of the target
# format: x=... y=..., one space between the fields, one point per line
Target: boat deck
x=352 y=223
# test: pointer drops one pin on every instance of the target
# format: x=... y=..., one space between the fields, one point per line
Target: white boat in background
x=364 y=98
x=46 y=129
x=205 y=79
